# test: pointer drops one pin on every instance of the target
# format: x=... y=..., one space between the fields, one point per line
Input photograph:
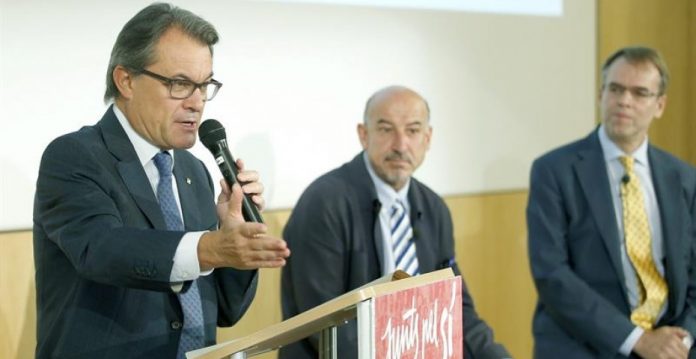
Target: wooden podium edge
x=332 y=313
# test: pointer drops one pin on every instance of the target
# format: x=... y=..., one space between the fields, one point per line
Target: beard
x=401 y=156
x=395 y=177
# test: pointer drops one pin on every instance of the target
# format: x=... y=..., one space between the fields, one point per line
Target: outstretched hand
x=240 y=244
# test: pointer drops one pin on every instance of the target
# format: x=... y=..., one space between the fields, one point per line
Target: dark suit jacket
x=336 y=242
x=103 y=255
x=574 y=251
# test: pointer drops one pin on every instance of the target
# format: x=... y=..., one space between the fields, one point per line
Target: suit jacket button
x=175 y=324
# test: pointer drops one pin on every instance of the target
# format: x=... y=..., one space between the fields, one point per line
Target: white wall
x=502 y=88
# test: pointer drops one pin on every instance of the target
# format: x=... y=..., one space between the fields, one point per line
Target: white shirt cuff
x=688 y=341
x=630 y=342
x=186 y=265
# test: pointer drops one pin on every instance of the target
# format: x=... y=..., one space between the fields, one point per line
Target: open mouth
x=189 y=125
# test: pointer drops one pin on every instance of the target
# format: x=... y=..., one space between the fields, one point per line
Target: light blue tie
x=192 y=335
x=403 y=246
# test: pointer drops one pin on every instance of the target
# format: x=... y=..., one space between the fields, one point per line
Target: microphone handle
x=229 y=170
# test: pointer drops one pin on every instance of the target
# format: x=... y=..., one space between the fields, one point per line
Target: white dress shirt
x=387 y=198
x=616 y=171
x=186 y=265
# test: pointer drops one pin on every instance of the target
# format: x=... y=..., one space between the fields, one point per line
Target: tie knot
x=627 y=163
x=163 y=162
x=397 y=209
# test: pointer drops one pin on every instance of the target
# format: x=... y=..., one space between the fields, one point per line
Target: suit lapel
x=139 y=187
x=130 y=169
x=183 y=175
x=377 y=232
x=424 y=251
x=591 y=171
x=369 y=203
x=667 y=190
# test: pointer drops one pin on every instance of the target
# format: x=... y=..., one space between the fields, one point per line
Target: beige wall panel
x=691 y=130
x=491 y=250
x=664 y=25
x=17 y=302
x=491 y=245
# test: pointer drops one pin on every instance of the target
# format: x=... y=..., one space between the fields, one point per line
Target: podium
x=417 y=316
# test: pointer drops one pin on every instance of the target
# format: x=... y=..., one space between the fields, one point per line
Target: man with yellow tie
x=610 y=221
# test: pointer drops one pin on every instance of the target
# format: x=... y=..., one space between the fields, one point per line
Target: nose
x=624 y=98
x=195 y=102
x=400 y=142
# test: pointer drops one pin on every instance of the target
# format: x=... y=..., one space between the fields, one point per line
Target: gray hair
x=636 y=55
x=135 y=46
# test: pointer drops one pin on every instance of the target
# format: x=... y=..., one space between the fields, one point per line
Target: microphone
x=213 y=136
x=625 y=179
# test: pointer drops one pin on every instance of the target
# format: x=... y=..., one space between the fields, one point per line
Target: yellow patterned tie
x=652 y=287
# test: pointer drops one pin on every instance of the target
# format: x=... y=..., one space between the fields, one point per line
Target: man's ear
x=124 y=81
x=661 y=103
x=362 y=134
x=428 y=137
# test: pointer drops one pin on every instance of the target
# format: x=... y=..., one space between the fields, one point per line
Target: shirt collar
x=145 y=150
x=386 y=193
x=613 y=152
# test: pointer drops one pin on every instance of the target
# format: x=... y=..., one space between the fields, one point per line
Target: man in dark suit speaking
x=611 y=230
x=370 y=217
x=133 y=257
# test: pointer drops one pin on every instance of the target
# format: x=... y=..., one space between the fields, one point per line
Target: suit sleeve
x=687 y=319
x=568 y=299
x=318 y=234
x=236 y=290
x=76 y=209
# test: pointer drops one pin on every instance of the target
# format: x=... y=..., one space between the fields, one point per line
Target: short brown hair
x=639 y=54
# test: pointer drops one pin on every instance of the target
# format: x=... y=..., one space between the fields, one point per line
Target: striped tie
x=192 y=335
x=653 y=289
x=403 y=246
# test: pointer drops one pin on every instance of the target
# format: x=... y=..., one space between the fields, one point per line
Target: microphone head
x=210 y=132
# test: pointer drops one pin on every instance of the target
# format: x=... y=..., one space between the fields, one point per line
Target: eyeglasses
x=181 y=89
x=639 y=94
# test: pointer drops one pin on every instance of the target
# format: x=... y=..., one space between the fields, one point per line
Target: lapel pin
x=188 y=180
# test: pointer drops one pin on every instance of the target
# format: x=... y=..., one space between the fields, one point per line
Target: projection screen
x=504 y=85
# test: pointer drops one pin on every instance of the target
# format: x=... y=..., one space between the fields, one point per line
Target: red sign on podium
x=420 y=323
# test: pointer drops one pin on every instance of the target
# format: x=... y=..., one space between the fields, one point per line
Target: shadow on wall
x=15 y=211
